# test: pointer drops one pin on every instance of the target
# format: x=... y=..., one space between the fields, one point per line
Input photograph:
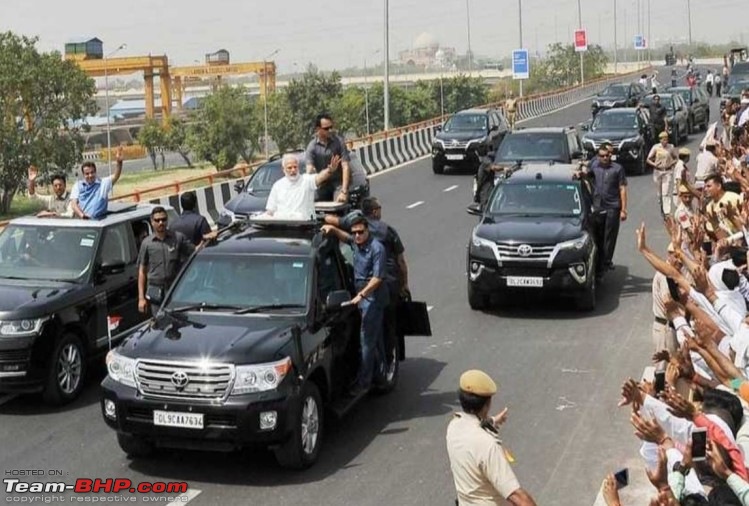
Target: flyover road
x=559 y=372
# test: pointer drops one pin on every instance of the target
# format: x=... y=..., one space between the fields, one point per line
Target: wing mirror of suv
x=239 y=185
x=336 y=299
x=494 y=128
x=474 y=209
x=109 y=268
x=576 y=155
x=585 y=126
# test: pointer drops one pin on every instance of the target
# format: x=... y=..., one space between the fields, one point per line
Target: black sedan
x=618 y=95
x=698 y=104
x=627 y=130
x=253 y=194
x=677 y=115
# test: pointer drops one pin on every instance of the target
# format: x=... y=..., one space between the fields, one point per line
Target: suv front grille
x=525 y=252
x=204 y=382
x=14 y=355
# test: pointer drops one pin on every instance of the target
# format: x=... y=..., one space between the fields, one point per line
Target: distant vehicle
x=739 y=72
x=618 y=95
x=535 y=234
x=678 y=115
x=629 y=132
x=698 y=104
x=253 y=194
x=466 y=137
x=493 y=66
x=732 y=93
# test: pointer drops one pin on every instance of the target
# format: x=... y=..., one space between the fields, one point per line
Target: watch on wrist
x=679 y=467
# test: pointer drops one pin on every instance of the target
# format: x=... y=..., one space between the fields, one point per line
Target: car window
x=466 y=123
x=243 y=280
x=330 y=277
x=536 y=199
x=265 y=176
x=533 y=146
x=47 y=252
x=614 y=121
x=572 y=143
x=492 y=121
x=117 y=245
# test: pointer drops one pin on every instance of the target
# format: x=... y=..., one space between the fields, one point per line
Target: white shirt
x=707 y=164
x=293 y=199
x=710 y=78
x=744 y=117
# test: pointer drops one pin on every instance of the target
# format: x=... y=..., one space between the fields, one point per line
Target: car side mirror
x=110 y=268
x=239 y=185
x=490 y=155
x=336 y=299
x=494 y=128
x=438 y=128
x=584 y=126
x=474 y=209
x=576 y=155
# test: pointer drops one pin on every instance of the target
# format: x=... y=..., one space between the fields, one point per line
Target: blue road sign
x=640 y=42
x=520 y=64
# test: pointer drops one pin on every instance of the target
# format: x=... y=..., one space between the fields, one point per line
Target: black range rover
x=61 y=281
x=466 y=137
x=250 y=346
x=536 y=233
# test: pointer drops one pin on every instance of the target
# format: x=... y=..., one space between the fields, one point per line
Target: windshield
x=264 y=177
x=47 y=252
x=684 y=94
x=243 y=281
x=536 y=199
x=737 y=88
x=466 y=123
x=533 y=146
x=615 y=91
x=617 y=121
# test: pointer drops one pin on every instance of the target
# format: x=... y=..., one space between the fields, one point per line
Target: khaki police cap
x=478 y=383
x=683 y=188
x=684 y=152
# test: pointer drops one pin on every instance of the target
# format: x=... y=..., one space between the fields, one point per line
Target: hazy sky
x=341 y=33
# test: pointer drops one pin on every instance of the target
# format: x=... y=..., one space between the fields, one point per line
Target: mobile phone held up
x=622 y=478
x=699 y=444
x=660 y=381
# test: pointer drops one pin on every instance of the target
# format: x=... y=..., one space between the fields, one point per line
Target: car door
x=120 y=286
x=496 y=134
x=644 y=126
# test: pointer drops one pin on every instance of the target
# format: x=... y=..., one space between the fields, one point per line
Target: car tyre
x=389 y=377
x=134 y=446
x=690 y=125
x=586 y=301
x=476 y=299
x=437 y=167
x=676 y=136
x=706 y=123
x=67 y=371
x=302 y=448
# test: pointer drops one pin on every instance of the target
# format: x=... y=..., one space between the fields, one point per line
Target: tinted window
x=537 y=199
x=243 y=280
x=615 y=90
x=117 y=245
x=533 y=146
x=466 y=123
x=29 y=252
x=617 y=121
x=265 y=176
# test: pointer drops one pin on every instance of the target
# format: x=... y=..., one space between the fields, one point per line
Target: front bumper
x=623 y=154
x=232 y=424
x=458 y=155
x=19 y=372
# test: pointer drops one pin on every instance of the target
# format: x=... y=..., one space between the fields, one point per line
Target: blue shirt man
x=89 y=197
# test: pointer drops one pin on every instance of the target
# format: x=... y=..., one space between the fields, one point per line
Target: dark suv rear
x=536 y=234
x=466 y=137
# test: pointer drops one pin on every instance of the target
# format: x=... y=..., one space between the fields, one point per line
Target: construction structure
x=218 y=65
x=89 y=55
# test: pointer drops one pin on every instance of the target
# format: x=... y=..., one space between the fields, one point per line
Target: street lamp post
x=468 y=23
x=580 y=24
x=366 y=91
x=520 y=33
x=649 y=40
x=689 y=15
x=616 y=44
x=386 y=80
x=106 y=102
x=265 y=100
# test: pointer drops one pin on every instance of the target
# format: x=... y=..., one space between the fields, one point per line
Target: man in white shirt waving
x=293 y=196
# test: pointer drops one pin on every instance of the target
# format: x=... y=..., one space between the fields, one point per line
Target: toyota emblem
x=180 y=379
x=524 y=250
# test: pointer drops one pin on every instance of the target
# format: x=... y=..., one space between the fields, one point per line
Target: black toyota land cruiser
x=67 y=287
x=535 y=233
x=251 y=344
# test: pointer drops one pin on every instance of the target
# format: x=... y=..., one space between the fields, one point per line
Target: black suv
x=539 y=144
x=698 y=104
x=628 y=130
x=466 y=137
x=253 y=193
x=61 y=281
x=250 y=346
x=536 y=233
x=618 y=95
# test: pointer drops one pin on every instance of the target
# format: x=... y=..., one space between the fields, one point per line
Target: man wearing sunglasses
x=319 y=154
x=160 y=257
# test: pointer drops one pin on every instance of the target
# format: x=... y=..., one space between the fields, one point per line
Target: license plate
x=525 y=281
x=176 y=419
x=454 y=157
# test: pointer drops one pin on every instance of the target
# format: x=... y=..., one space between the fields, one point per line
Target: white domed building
x=427 y=52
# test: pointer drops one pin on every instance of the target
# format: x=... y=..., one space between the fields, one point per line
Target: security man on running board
x=480 y=465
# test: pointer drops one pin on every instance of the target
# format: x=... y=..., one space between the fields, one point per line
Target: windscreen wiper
x=263 y=307
x=201 y=305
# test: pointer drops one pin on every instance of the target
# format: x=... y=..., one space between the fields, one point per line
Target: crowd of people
x=691 y=408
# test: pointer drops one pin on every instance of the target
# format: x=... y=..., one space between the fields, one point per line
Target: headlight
x=21 y=328
x=480 y=139
x=480 y=242
x=121 y=368
x=437 y=143
x=588 y=142
x=631 y=140
x=577 y=244
x=260 y=377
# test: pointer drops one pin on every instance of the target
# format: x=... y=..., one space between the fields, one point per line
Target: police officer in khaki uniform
x=479 y=463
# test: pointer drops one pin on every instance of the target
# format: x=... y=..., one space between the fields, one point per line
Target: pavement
x=558 y=370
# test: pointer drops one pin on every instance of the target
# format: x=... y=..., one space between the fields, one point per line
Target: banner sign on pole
x=640 y=42
x=520 y=64
x=581 y=40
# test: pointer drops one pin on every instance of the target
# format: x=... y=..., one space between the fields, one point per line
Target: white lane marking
x=7 y=398
x=187 y=496
x=429 y=308
x=376 y=174
x=450 y=188
x=415 y=204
